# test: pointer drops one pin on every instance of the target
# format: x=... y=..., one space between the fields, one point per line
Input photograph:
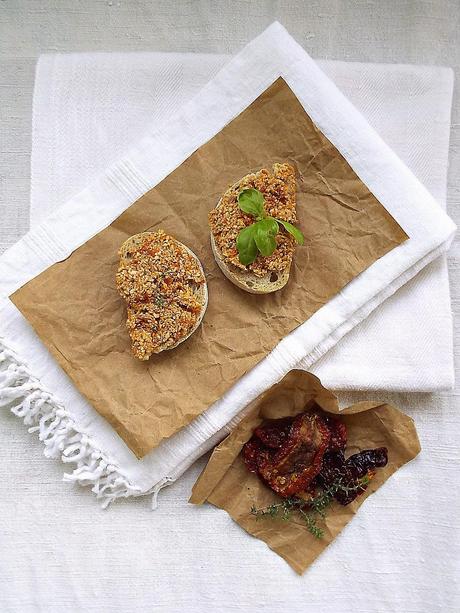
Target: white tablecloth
x=58 y=552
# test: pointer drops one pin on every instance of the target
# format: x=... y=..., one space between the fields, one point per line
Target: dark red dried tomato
x=309 y=493
x=274 y=432
x=338 y=432
x=348 y=472
x=333 y=462
x=251 y=452
x=294 y=466
x=366 y=460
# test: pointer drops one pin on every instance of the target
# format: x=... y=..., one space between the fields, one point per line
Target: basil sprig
x=260 y=236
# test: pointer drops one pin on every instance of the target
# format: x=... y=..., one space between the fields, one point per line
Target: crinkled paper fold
x=227 y=483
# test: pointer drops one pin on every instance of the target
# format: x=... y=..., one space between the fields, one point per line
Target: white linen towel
x=67 y=424
x=86 y=104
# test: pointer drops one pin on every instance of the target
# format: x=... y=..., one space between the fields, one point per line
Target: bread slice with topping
x=267 y=273
x=164 y=287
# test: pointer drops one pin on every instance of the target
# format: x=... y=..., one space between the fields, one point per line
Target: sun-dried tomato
x=366 y=460
x=309 y=493
x=350 y=472
x=294 y=466
x=274 y=432
x=338 y=432
x=333 y=462
x=251 y=453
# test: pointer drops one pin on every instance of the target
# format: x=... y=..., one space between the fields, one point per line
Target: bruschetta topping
x=227 y=219
x=159 y=282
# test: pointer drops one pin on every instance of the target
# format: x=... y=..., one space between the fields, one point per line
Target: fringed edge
x=24 y=395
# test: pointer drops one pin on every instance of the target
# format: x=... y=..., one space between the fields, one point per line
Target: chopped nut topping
x=159 y=282
x=227 y=219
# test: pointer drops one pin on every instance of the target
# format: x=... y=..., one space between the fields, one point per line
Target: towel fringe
x=156 y=490
x=24 y=395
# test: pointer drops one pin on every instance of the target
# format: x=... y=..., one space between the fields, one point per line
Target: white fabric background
x=57 y=552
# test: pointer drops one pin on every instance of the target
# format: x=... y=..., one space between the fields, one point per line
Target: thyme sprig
x=309 y=510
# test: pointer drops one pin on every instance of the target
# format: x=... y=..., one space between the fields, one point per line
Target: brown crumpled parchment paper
x=76 y=311
x=227 y=483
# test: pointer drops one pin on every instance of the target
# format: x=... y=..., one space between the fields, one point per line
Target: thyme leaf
x=312 y=510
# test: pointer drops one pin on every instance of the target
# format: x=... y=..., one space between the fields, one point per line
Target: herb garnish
x=311 y=510
x=260 y=235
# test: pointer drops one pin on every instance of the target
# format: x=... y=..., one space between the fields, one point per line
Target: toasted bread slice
x=199 y=292
x=266 y=279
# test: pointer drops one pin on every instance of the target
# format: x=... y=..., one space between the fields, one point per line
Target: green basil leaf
x=251 y=201
x=296 y=233
x=270 y=225
x=264 y=237
x=246 y=245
